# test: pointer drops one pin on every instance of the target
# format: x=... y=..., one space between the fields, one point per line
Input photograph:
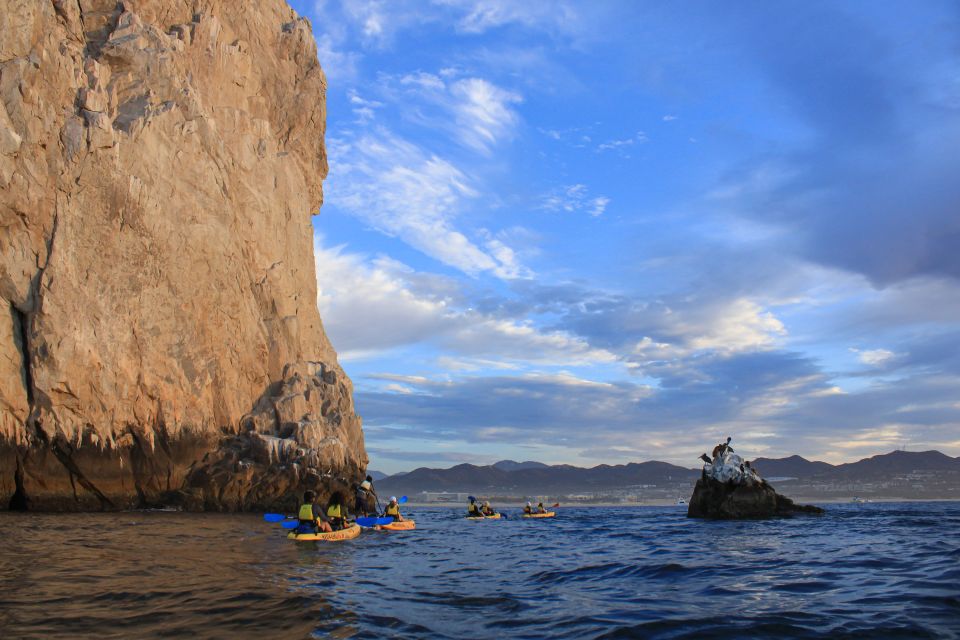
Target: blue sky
x=617 y=231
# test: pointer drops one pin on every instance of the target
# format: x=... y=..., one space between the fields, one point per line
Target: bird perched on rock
x=721 y=448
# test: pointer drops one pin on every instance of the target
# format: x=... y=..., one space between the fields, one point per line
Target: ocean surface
x=882 y=570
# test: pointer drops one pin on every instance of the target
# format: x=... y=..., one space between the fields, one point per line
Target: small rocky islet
x=729 y=488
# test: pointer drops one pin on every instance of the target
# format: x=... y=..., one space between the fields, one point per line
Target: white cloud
x=483 y=112
x=598 y=206
x=621 y=145
x=369 y=307
x=741 y=324
x=337 y=64
x=478 y=16
x=374 y=305
x=402 y=190
x=669 y=118
x=473 y=111
x=423 y=80
x=874 y=357
x=574 y=198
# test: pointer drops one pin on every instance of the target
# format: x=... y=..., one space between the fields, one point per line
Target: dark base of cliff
x=192 y=474
x=728 y=501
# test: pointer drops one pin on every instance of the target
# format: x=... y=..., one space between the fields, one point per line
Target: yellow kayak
x=349 y=533
x=400 y=525
x=548 y=514
x=495 y=516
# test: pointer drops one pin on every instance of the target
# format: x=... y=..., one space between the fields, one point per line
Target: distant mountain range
x=510 y=478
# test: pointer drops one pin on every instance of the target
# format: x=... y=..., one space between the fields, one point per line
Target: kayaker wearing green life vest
x=336 y=512
x=541 y=508
x=487 y=509
x=528 y=509
x=393 y=510
x=311 y=516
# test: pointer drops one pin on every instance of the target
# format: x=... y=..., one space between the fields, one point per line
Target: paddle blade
x=290 y=524
x=402 y=500
x=368 y=522
x=274 y=517
x=471 y=499
x=556 y=505
x=382 y=521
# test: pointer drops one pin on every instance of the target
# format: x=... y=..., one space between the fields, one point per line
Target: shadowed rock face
x=727 y=500
x=159 y=336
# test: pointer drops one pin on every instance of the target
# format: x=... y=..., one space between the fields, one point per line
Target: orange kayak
x=548 y=514
x=399 y=525
x=349 y=533
x=495 y=516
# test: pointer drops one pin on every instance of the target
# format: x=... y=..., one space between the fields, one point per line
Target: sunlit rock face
x=730 y=489
x=160 y=341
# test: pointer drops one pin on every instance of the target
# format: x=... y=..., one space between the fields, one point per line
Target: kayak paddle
x=290 y=524
x=402 y=500
x=367 y=521
x=274 y=517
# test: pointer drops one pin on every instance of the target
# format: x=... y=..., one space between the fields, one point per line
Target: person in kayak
x=487 y=510
x=473 y=510
x=393 y=510
x=528 y=509
x=541 y=508
x=311 y=516
x=337 y=512
x=365 y=491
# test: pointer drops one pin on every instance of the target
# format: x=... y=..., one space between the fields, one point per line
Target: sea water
x=870 y=570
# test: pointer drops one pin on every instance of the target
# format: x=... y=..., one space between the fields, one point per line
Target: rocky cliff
x=159 y=340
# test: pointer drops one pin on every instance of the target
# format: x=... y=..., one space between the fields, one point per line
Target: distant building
x=442 y=496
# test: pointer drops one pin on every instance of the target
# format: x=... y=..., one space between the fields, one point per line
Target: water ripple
x=879 y=570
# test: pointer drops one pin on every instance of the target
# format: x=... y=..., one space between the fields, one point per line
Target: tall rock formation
x=159 y=336
x=730 y=489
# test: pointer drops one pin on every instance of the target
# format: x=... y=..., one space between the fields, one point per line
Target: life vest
x=306 y=513
x=392 y=510
x=474 y=510
x=527 y=510
x=333 y=511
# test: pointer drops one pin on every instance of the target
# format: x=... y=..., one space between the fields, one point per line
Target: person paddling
x=311 y=516
x=364 y=492
x=541 y=508
x=487 y=509
x=528 y=509
x=337 y=512
x=393 y=510
x=473 y=509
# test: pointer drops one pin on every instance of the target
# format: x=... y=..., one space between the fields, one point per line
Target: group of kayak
x=314 y=523
x=478 y=511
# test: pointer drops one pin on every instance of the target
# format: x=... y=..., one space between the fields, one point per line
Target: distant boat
x=681 y=501
x=860 y=500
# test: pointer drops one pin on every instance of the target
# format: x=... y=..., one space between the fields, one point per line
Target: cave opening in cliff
x=19 y=500
x=21 y=341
